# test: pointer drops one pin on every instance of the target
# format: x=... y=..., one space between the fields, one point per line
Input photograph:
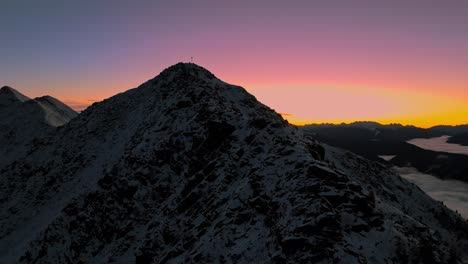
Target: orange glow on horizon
x=303 y=104
x=322 y=62
x=306 y=104
x=318 y=98
x=418 y=122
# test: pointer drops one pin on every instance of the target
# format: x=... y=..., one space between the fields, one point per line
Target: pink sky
x=321 y=61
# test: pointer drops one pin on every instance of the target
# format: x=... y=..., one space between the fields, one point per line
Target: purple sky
x=81 y=51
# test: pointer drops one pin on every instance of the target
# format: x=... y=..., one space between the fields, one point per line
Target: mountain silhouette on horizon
x=186 y=168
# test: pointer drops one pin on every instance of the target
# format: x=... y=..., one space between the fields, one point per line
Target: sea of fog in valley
x=439 y=144
x=453 y=193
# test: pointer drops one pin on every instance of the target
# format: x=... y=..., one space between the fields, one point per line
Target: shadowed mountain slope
x=189 y=169
x=23 y=120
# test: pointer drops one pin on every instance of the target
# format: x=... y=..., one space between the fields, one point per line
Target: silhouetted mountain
x=23 y=119
x=369 y=131
x=9 y=96
x=450 y=130
x=189 y=169
x=460 y=138
x=459 y=134
x=372 y=140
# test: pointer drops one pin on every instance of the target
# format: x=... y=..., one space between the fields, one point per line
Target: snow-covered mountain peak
x=185 y=67
x=189 y=169
x=6 y=89
x=188 y=72
x=46 y=98
x=10 y=96
x=56 y=113
x=23 y=120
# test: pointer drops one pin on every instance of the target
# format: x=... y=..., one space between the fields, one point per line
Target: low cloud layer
x=439 y=144
x=453 y=193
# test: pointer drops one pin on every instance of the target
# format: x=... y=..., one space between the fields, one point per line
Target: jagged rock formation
x=189 y=169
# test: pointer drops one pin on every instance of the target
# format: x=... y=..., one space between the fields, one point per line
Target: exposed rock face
x=23 y=119
x=189 y=169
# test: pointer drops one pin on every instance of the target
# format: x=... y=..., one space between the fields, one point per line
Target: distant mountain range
x=459 y=134
x=451 y=130
x=186 y=168
x=372 y=131
x=372 y=140
x=460 y=138
x=391 y=131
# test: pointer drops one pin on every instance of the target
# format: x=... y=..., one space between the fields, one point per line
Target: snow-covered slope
x=9 y=96
x=189 y=169
x=56 y=113
x=23 y=119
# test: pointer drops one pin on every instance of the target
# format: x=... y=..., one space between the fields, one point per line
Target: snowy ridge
x=9 y=96
x=23 y=119
x=56 y=112
x=189 y=169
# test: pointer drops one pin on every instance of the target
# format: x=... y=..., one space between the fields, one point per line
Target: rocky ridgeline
x=189 y=169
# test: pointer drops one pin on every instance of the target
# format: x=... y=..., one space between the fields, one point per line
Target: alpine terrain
x=189 y=169
x=23 y=119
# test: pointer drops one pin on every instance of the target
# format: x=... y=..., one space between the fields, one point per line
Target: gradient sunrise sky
x=316 y=61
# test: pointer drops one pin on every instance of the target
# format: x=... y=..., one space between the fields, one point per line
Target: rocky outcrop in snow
x=189 y=169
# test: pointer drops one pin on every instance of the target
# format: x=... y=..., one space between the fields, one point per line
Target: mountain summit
x=189 y=169
x=183 y=70
x=10 y=96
